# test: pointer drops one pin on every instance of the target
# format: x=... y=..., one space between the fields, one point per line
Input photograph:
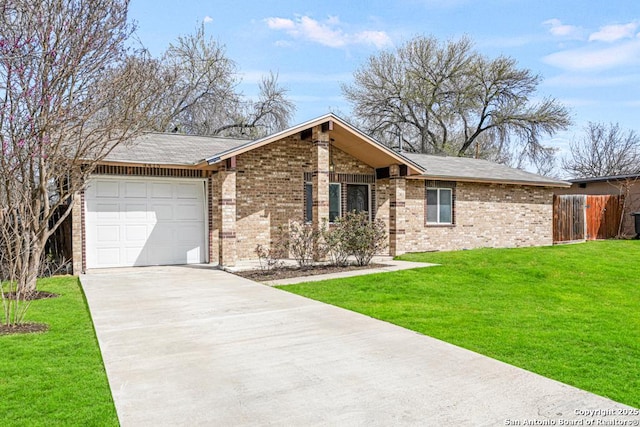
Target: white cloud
x=612 y=33
x=558 y=29
x=328 y=33
x=207 y=19
x=589 y=58
x=280 y=24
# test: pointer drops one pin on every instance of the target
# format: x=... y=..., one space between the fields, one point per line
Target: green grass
x=571 y=313
x=56 y=377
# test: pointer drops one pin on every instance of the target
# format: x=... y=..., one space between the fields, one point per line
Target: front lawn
x=571 y=312
x=56 y=377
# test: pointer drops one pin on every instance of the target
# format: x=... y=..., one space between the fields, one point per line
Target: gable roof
x=171 y=149
x=477 y=170
x=344 y=136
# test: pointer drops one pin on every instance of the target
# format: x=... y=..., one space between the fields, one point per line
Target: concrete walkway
x=198 y=346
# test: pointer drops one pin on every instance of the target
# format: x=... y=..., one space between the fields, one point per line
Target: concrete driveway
x=198 y=346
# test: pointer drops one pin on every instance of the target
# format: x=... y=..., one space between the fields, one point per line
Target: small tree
x=69 y=96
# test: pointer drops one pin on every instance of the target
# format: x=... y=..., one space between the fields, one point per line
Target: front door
x=358 y=198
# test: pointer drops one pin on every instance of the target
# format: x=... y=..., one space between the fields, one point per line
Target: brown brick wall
x=270 y=191
x=345 y=163
x=270 y=188
x=486 y=215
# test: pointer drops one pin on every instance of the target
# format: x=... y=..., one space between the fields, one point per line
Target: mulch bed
x=32 y=296
x=23 y=328
x=289 y=272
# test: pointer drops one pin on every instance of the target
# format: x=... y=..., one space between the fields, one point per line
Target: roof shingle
x=171 y=149
x=463 y=168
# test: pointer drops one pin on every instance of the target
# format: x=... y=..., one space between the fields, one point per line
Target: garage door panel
x=136 y=233
x=162 y=212
x=187 y=233
x=106 y=211
x=135 y=211
x=161 y=235
x=189 y=212
x=145 y=221
x=107 y=233
x=108 y=256
x=161 y=191
x=188 y=191
x=193 y=254
x=135 y=190
x=106 y=188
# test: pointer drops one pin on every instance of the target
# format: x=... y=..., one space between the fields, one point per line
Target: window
x=358 y=198
x=308 y=202
x=335 y=196
x=439 y=206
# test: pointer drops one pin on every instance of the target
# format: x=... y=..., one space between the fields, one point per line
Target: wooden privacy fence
x=586 y=217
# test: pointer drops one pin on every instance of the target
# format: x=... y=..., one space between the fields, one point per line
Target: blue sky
x=587 y=51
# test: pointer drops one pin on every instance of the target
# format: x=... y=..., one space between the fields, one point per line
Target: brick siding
x=487 y=215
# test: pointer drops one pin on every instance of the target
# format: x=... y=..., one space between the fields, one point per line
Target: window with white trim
x=335 y=201
x=440 y=206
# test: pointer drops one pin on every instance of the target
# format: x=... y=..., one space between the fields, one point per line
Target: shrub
x=335 y=239
x=305 y=244
x=359 y=237
x=269 y=258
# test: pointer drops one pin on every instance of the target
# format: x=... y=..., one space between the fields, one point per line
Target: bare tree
x=271 y=112
x=605 y=150
x=201 y=96
x=68 y=97
x=446 y=98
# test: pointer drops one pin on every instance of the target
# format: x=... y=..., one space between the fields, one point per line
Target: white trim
x=438 y=189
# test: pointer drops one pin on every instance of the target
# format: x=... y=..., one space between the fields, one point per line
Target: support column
x=397 y=217
x=225 y=189
x=320 y=183
x=77 y=234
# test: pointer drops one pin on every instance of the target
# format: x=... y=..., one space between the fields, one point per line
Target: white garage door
x=144 y=221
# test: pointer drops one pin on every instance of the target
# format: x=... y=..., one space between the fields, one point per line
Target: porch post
x=225 y=189
x=77 y=234
x=320 y=183
x=397 y=190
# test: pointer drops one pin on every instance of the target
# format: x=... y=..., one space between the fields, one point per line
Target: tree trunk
x=31 y=261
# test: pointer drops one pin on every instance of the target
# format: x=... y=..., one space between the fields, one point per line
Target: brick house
x=176 y=199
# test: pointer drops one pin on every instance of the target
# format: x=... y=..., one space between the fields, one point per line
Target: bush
x=269 y=258
x=335 y=239
x=305 y=243
x=354 y=234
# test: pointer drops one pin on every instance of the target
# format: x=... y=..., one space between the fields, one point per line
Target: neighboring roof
x=605 y=178
x=171 y=149
x=477 y=170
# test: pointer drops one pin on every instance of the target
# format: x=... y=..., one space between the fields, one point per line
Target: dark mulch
x=23 y=328
x=289 y=272
x=31 y=296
